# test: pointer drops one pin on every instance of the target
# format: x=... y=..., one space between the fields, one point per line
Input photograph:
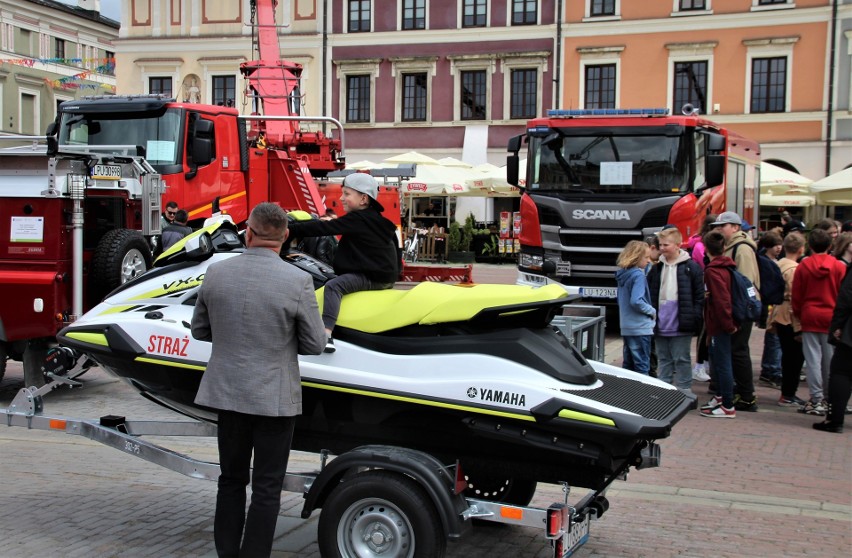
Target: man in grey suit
x=260 y=314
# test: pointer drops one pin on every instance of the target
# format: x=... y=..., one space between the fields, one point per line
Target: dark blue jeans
x=235 y=532
x=637 y=353
x=721 y=362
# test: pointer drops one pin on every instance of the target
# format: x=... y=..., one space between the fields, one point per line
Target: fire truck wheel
x=121 y=255
x=378 y=513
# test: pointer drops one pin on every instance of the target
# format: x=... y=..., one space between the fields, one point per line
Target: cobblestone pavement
x=765 y=484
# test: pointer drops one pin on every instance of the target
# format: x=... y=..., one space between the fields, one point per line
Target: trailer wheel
x=380 y=514
x=121 y=255
x=486 y=485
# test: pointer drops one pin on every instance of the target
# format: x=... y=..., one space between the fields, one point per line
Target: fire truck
x=596 y=179
x=81 y=209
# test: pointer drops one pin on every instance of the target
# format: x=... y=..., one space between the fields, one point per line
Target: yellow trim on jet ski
x=119 y=309
x=431 y=403
x=585 y=417
x=432 y=303
x=90 y=338
x=170 y=363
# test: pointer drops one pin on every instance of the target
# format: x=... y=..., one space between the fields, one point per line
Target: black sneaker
x=827 y=426
x=769 y=381
x=747 y=406
x=329 y=345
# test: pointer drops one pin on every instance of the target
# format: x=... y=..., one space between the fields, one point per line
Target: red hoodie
x=718 y=317
x=815 y=286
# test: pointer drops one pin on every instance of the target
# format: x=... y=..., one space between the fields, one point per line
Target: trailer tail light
x=557 y=519
x=57 y=424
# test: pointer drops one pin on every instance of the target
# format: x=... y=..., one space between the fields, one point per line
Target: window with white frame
x=690 y=86
x=474 y=94
x=413 y=14
x=769 y=63
x=600 y=68
x=603 y=8
x=768 y=84
x=358 y=98
x=690 y=79
x=692 y=5
x=413 y=81
x=522 y=80
x=524 y=93
x=160 y=85
x=224 y=90
x=474 y=13
x=359 y=16
x=599 y=91
x=415 y=97
x=524 y=12
x=357 y=90
x=472 y=82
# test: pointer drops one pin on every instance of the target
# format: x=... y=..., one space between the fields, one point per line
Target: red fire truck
x=596 y=179
x=78 y=216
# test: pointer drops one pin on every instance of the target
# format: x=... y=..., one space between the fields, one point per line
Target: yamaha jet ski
x=471 y=374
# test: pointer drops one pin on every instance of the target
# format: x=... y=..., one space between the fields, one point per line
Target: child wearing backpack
x=770 y=362
x=636 y=314
x=720 y=325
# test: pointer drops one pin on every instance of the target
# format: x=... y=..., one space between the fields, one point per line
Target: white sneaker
x=699 y=373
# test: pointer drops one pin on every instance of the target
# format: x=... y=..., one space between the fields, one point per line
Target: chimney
x=91 y=5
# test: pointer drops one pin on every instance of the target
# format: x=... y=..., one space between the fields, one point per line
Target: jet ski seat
x=432 y=303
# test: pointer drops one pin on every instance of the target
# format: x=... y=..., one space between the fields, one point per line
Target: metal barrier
x=585 y=326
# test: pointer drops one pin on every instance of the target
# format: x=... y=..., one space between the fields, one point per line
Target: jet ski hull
x=472 y=374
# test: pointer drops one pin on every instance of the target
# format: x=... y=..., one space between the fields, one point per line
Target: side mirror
x=716 y=142
x=52 y=140
x=512 y=168
x=714 y=170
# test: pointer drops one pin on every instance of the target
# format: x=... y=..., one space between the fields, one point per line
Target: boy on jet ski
x=366 y=258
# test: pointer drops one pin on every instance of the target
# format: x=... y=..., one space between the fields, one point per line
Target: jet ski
x=474 y=375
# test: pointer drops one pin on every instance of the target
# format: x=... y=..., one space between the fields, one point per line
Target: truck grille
x=645 y=400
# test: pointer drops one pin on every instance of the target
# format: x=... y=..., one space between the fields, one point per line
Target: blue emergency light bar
x=556 y=113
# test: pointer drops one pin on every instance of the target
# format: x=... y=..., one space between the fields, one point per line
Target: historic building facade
x=49 y=53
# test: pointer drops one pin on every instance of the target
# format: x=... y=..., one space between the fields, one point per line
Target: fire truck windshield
x=639 y=160
x=152 y=135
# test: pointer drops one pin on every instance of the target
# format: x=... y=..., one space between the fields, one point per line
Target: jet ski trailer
x=469 y=392
x=377 y=501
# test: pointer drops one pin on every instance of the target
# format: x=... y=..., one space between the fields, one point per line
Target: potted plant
x=459 y=239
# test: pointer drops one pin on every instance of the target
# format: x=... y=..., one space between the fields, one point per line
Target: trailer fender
x=426 y=470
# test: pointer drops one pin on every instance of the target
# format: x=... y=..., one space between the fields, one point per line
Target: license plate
x=563 y=268
x=575 y=537
x=106 y=172
x=599 y=292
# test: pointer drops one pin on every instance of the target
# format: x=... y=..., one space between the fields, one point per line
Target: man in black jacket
x=367 y=257
x=840 y=373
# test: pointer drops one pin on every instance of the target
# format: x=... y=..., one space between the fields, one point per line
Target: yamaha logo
x=471 y=392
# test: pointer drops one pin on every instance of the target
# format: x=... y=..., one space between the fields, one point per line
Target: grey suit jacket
x=260 y=313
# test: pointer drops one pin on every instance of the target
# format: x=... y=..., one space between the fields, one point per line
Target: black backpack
x=772 y=283
x=745 y=307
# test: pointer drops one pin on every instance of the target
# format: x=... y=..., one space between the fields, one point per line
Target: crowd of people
x=668 y=295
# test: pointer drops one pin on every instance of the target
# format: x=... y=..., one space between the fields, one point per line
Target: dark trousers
x=235 y=532
x=741 y=361
x=839 y=383
x=792 y=360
